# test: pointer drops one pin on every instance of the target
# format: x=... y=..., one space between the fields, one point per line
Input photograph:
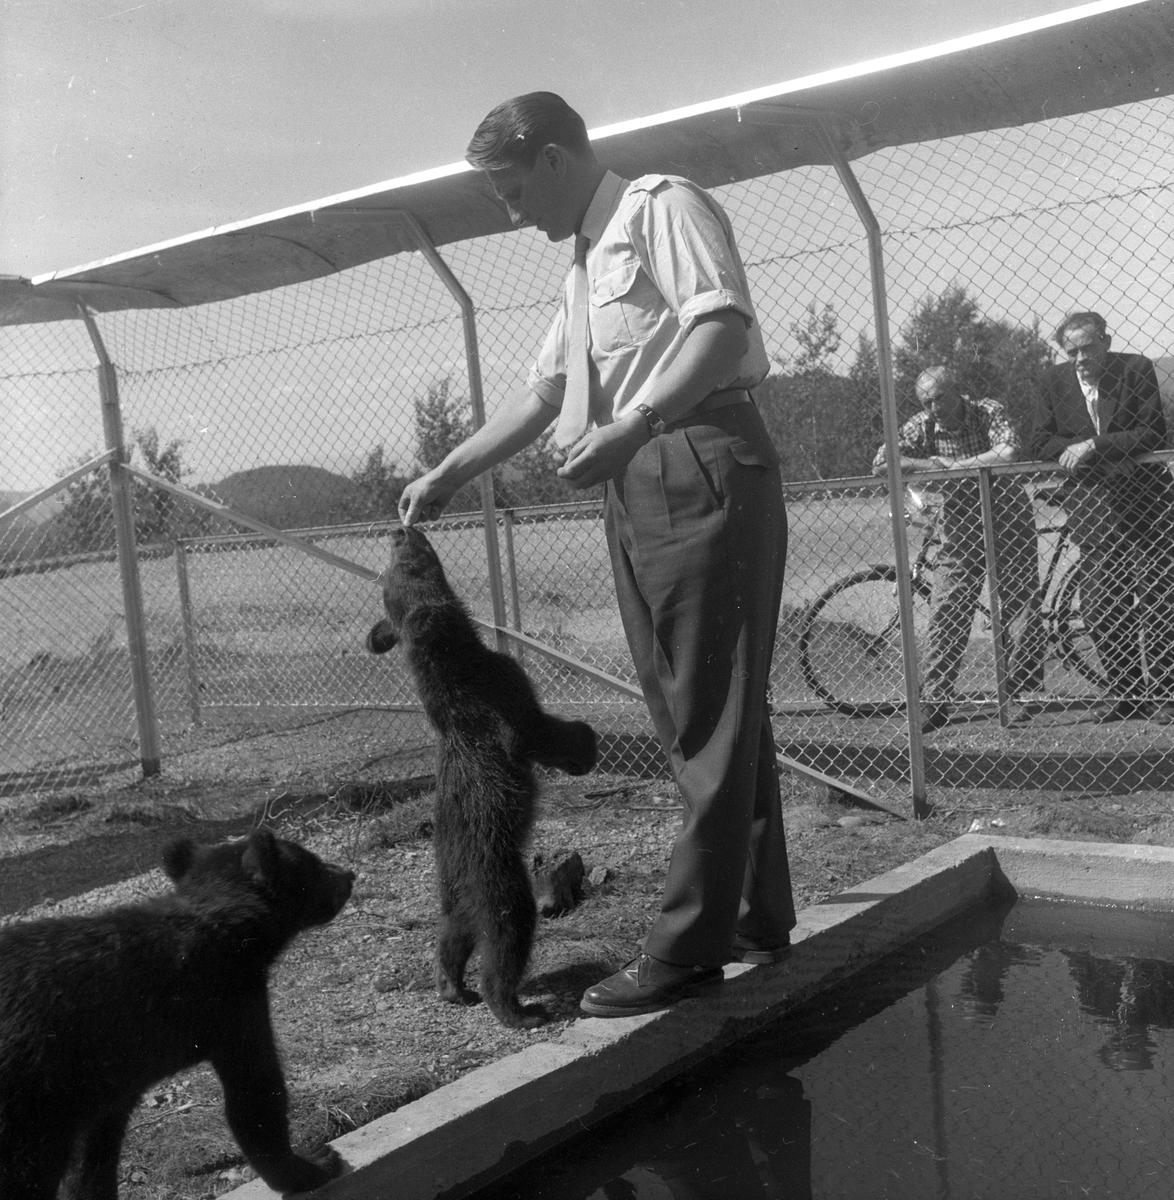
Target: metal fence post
x=986 y=501
x=189 y=632
x=128 y=562
x=884 y=362
x=477 y=403
x=824 y=124
x=511 y=566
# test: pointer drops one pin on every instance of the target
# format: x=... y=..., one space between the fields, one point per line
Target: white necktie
x=576 y=410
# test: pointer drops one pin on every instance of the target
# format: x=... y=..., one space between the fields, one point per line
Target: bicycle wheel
x=1069 y=634
x=850 y=643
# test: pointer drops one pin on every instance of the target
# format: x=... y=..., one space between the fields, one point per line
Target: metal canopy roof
x=1095 y=56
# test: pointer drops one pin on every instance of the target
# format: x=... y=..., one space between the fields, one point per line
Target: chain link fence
x=307 y=407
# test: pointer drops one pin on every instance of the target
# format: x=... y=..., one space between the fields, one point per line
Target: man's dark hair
x=1080 y=320
x=513 y=134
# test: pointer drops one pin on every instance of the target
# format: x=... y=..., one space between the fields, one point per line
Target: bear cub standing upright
x=96 y=1009
x=491 y=730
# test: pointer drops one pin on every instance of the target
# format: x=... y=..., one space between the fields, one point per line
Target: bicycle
x=850 y=642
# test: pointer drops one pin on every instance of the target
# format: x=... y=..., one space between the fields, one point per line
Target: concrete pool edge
x=465 y=1135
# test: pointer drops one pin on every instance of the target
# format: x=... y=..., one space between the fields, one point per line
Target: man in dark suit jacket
x=1095 y=415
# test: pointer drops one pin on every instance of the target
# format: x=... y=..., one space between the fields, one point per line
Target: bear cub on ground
x=491 y=730
x=94 y=1010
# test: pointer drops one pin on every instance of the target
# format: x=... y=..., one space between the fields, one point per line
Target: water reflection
x=1131 y=998
x=760 y=1148
x=766 y=1119
x=981 y=991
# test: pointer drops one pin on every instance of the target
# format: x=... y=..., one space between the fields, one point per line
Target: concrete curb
x=465 y=1135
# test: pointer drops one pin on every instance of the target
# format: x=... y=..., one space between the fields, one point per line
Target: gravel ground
x=359 y=1024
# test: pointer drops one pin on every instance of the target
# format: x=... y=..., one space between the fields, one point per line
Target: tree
x=444 y=421
x=530 y=477
x=863 y=373
x=994 y=359
x=378 y=485
x=818 y=337
x=819 y=421
x=86 y=520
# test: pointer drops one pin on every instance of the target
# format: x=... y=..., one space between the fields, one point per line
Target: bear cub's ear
x=178 y=859
x=382 y=637
x=261 y=860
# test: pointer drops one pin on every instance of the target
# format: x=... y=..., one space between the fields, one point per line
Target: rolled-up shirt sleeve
x=688 y=250
x=662 y=256
x=547 y=378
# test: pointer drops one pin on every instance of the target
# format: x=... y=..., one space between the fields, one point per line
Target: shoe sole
x=638 y=1010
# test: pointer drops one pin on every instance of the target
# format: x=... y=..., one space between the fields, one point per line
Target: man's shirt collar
x=603 y=204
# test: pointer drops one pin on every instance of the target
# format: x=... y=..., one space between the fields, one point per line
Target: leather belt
x=722 y=399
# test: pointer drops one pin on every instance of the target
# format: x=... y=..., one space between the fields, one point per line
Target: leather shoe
x=1123 y=710
x=750 y=950
x=645 y=985
x=934 y=716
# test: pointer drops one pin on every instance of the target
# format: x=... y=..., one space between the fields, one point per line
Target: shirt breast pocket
x=625 y=307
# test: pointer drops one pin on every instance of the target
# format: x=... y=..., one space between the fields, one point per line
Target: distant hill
x=287 y=497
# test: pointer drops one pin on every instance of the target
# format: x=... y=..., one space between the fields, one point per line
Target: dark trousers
x=697 y=533
x=1124 y=527
x=958 y=579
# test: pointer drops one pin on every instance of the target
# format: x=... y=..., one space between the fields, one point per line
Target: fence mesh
x=310 y=405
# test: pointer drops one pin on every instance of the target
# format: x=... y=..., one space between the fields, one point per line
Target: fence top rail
x=43 y=494
x=1090 y=57
x=568 y=508
x=875 y=483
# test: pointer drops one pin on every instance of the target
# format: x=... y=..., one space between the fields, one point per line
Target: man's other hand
x=602 y=453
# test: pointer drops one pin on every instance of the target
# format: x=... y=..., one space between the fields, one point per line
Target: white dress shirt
x=662 y=256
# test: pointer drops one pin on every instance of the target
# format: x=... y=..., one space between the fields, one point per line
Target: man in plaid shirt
x=955 y=431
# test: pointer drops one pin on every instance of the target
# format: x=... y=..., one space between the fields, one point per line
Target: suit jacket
x=1135 y=426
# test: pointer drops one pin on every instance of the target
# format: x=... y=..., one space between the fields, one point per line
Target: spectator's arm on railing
x=907 y=464
x=1005 y=452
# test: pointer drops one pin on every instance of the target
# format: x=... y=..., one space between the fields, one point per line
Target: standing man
x=647 y=366
x=1093 y=415
x=954 y=431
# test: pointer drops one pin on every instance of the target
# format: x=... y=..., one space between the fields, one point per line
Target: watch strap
x=652 y=419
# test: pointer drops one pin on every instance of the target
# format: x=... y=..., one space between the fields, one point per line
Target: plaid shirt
x=984 y=426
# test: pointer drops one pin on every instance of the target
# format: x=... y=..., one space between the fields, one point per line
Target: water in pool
x=1018 y=1052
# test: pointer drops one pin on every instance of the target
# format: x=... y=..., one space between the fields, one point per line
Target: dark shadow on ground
x=57 y=872
x=1111 y=772
x=1119 y=773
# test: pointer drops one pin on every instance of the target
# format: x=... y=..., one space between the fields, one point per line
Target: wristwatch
x=654 y=420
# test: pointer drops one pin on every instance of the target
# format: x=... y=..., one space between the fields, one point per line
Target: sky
x=124 y=124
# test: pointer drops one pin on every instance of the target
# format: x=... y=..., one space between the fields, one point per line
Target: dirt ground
x=360 y=1027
